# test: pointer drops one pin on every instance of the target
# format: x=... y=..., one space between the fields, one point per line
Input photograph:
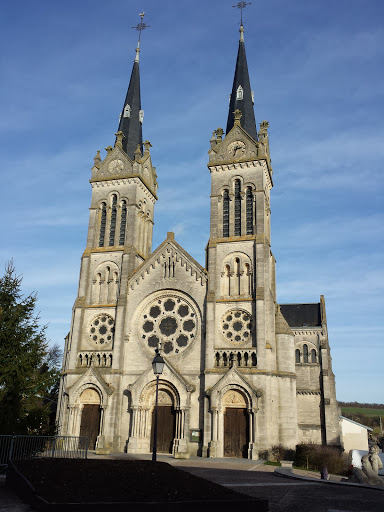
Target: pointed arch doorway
x=166 y=423
x=236 y=425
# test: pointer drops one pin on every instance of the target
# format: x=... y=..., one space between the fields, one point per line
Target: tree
x=28 y=366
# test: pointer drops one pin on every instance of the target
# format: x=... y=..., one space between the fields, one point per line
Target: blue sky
x=317 y=72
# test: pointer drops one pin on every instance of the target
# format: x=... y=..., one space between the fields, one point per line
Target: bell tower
x=241 y=295
x=124 y=186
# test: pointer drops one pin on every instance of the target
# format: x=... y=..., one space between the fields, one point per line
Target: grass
x=363 y=410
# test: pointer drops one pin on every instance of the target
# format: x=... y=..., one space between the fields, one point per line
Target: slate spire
x=242 y=97
x=131 y=118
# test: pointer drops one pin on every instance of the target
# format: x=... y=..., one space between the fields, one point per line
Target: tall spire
x=242 y=96
x=131 y=117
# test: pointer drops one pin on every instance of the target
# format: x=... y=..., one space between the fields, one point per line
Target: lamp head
x=158 y=363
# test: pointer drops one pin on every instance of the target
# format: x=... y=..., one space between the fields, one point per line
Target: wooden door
x=90 y=424
x=165 y=428
x=236 y=432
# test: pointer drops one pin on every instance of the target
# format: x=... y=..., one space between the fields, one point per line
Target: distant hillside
x=367 y=414
x=359 y=404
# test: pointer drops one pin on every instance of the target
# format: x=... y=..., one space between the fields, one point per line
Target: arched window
x=305 y=353
x=103 y=219
x=123 y=222
x=297 y=356
x=226 y=213
x=237 y=208
x=113 y=221
x=249 y=211
x=313 y=356
x=127 y=111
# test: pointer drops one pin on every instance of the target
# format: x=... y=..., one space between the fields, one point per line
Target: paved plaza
x=294 y=493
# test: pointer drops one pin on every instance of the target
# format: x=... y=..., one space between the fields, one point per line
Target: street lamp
x=157 y=365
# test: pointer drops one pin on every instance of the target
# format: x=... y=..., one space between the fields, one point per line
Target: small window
x=239 y=93
x=141 y=116
x=305 y=353
x=127 y=111
x=313 y=356
x=297 y=356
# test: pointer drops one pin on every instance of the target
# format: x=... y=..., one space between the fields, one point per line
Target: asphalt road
x=287 y=495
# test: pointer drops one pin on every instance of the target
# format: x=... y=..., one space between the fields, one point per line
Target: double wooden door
x=90 y=423
x=236 y=432
x=165 y=428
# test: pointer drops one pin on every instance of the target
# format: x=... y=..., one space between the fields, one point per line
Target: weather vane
x=142 y=26
x=241 y=6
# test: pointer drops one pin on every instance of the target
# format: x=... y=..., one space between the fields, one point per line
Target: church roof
x=241 y=97
x=130 y=123
x=302 y=315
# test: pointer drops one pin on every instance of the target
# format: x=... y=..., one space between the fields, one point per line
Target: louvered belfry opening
x=237 y=208
x=103 y=219
x=113 y=221
x=123 y=223
x=225 y=213
x=249 y=211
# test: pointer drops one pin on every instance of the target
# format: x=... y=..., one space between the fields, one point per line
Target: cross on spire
x=241 y=6
x=141 y=26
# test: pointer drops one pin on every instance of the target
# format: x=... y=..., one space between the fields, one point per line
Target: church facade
x=242 y=373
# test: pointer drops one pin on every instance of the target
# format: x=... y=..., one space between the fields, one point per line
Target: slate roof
x=302 y=315
x=131 y=126
x=245 y=105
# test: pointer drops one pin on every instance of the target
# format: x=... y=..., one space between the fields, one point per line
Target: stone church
x=242 y=373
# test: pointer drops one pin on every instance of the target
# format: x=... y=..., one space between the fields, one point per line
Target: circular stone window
x=236 y=326
x=101 y=330
x=170 y=320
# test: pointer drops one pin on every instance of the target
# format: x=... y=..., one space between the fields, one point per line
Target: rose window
x=236 y=326
x=170 y=320
x=102 y=329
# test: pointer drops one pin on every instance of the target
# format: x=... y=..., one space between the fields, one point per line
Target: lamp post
x=157 y=365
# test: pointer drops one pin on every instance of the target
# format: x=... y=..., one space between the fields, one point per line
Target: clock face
x=236 y=148
x=116 y=165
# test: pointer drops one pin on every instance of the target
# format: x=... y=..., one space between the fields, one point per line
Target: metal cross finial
x=241 y=6
x=141 y=26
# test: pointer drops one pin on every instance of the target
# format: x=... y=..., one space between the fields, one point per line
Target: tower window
x=103 y=219
x=226 y=213
x=237 y=208
x=113 y=221
x=141 y=116
x=313 y=356
x=249 y=211
x=239 y=93
x=127 y=111
x=123 y=222
x=297 y=355
x=305 y=353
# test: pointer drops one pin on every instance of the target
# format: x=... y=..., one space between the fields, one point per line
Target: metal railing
x=27 y=447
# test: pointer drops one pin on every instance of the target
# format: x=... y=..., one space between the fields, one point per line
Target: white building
x=242 y=373
x=353 y=435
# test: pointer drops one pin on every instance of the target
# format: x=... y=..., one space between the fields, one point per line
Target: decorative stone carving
x=171 y=321
x=236 y=326
x=90 y=396
x=101 y=330
x=233 y=398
